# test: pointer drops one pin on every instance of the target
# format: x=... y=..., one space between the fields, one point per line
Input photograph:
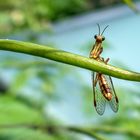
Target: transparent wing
x=99 y=100
x=114 y=103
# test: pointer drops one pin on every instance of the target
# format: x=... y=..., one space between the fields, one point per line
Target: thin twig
x=67 y=58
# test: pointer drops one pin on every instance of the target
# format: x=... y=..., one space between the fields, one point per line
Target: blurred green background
x=45 y=100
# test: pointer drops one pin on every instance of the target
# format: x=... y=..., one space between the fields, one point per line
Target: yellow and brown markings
x=103 y=89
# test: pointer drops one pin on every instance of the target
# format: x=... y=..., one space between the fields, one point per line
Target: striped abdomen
x=105 y=89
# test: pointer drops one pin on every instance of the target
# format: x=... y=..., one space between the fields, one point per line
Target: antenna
x=98 y=27
x=104 y=29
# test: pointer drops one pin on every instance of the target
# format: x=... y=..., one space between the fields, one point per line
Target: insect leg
x=106 y=61
x=94 y=82
x=96 y=79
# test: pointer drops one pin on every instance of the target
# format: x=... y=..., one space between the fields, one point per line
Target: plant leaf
x=131 y=4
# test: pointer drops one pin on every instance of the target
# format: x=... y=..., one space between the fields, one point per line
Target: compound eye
x=103 y=38
x=95 y=36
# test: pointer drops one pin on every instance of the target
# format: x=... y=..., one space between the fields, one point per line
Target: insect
x=103 y=89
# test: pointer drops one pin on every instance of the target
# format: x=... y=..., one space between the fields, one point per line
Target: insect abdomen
x=105 y=89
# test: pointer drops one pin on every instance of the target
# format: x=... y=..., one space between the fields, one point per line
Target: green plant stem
x=67 y=58
x=47 y=128
x=115 y=130
x=88 y=132
x=94 y=132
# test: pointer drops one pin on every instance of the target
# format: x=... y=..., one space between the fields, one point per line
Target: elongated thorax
x=96 y=50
